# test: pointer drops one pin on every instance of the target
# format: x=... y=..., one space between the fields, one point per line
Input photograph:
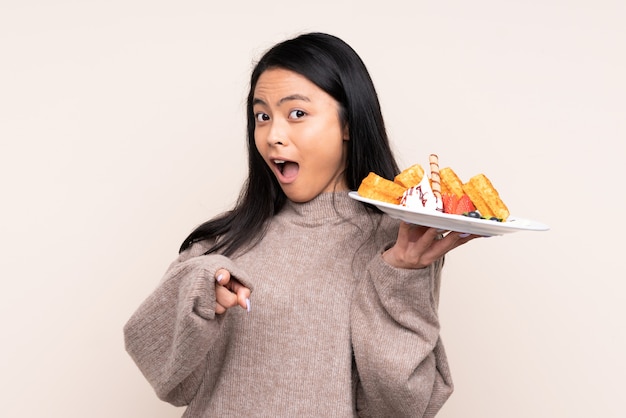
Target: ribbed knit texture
x=333 y=331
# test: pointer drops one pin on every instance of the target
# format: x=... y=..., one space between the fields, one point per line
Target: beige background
x=122 y=127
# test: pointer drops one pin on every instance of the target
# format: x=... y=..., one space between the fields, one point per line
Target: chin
x=299 y=196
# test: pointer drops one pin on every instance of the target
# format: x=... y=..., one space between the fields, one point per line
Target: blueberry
x=474 y=214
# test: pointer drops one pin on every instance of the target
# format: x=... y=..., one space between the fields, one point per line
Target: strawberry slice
x=464 y=205
x=450 y=201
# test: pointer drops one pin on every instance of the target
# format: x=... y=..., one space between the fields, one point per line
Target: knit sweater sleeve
x=172 y=331
x=400 y=361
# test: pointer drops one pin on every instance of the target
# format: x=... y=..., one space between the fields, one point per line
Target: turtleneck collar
x=325 y=207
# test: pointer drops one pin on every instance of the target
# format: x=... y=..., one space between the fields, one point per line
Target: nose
x=277 y=134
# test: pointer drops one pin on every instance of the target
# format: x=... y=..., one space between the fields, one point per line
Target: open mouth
x=288 y=169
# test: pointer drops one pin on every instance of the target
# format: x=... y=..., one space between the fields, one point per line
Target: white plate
x=449 y=222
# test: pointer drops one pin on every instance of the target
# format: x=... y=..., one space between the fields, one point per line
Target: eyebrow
x=283 y=100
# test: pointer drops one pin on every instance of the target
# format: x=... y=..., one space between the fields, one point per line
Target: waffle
x=485 y=197
x=410 y=177
x=450 y=182
x=379 y=188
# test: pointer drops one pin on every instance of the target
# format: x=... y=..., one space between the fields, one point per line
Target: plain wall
x=122 y=128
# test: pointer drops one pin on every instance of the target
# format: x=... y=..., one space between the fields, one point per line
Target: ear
x=346 y=133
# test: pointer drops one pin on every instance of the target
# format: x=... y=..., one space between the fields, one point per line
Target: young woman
x=339 y=301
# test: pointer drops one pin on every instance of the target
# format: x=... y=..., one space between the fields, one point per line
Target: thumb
x=222 y=276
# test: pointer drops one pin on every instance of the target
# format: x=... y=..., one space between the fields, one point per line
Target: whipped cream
x=421 y=196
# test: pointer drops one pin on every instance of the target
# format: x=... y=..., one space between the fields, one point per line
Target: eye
x=297 y=114
x=261 y=117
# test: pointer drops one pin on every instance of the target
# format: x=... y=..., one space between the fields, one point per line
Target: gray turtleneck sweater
x=333 y=330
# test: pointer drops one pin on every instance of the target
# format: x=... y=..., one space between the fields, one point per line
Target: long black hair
x=336 y=68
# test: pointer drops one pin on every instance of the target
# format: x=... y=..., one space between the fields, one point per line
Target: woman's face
x=299 y=134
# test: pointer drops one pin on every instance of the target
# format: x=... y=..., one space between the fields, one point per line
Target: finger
x=429 y=248
x=465 y=238
x=222 y=276
x=225 y=297
x=219 y=309
x=243 y=297
x=242 y=292
x=450 y=242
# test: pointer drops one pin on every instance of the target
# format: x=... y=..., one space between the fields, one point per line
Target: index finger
x=242 y=292
x=456 y=239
